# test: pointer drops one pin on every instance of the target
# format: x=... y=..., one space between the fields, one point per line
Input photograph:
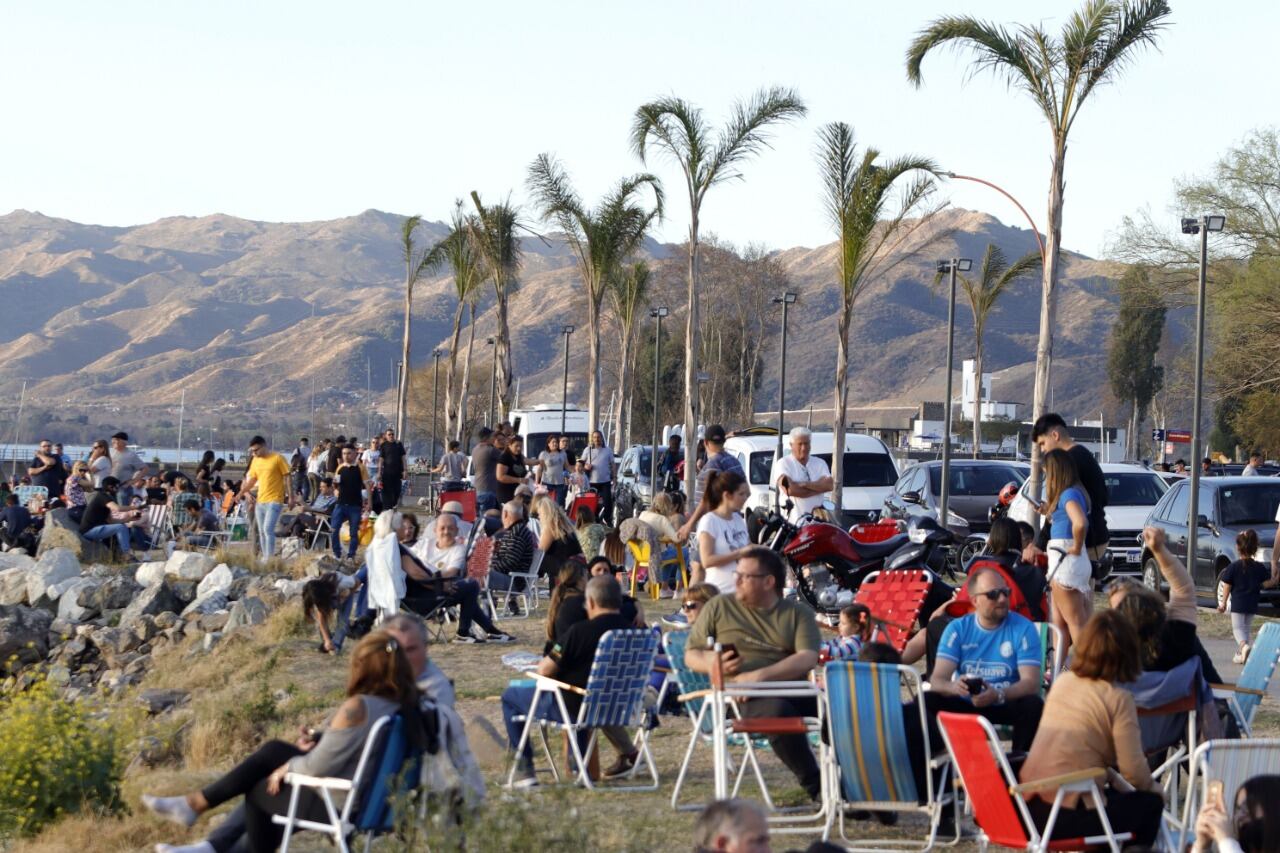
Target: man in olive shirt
x=766 y=638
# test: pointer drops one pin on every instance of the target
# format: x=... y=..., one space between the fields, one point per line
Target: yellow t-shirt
x=270 y=471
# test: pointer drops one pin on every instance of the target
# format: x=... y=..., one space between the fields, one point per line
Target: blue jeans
x=559 y=492
x=106 y=531
x=485 y=501
x=517 y=700
x=353 y=607
x=349 y=514
x=265 y=515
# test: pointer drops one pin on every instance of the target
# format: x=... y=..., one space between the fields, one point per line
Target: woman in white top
x=722 y=531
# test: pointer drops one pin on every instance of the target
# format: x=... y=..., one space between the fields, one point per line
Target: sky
x=121 y=113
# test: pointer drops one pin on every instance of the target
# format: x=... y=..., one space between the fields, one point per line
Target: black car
x=1228 y=505
x=975 y=485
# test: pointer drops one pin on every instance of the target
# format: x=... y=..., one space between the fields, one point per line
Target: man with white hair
x=800 y=477
x=731 y=826
x=513 y=548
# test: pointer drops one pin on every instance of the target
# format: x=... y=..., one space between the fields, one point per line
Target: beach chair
x=614 y=696
x=871 y=766
x=894 y=599
x=588 y=499
x=229 y=522
x=387 y=767
x=529 y=594
x=159 y=524
x=997 y=799
x=1246 y=694
x=1168 y=705
x=1231 y=762
x=28 y=493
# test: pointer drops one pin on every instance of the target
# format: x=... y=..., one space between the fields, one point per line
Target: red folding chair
x=894 y=599
x=587 y=499
x=468 y=500
x=997 y=799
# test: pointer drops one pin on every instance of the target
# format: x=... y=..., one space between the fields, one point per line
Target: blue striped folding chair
x=1244 y=697
x=1232 y=762
x=27 y=493
x=614 y=696
x=872 y=768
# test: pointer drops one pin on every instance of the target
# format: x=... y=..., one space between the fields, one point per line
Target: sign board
x=1157 y=435
x=1179 y=436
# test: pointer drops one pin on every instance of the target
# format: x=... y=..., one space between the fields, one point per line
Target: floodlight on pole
x=657 y=313
x=1201 y=227
x=564 y=393
x=949 y=267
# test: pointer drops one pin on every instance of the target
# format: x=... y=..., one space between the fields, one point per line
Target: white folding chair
x=1231 y=762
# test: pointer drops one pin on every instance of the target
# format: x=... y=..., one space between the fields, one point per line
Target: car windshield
x=1251 y=504
x=761 y=465
x=976 y=479
x=536 y=442
x=1136 y=489
x=865 y=469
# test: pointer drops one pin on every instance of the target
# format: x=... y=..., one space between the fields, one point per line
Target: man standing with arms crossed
x=599 y=464
x=392 y=469
x=800 y=477
x=270 y=473
x=1050 y=433
x=350 y=480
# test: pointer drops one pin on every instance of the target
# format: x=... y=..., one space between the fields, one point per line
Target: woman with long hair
x=1070 y=572
x=590 y=532
x=557 y=538
x=571 y=582
x=1255 y=827
x=380 y=683
x=99 y=462
x=722 y=531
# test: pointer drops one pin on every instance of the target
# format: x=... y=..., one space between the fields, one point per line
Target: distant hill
x=230 y=309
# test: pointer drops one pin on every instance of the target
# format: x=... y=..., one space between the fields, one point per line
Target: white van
x=869 y=472
x=537 y=424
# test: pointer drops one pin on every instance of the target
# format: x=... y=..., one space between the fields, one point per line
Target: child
x=855 y=629
x=322 y=596
x=1242 y=581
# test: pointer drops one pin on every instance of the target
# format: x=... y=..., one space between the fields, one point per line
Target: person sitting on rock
x=18 y=529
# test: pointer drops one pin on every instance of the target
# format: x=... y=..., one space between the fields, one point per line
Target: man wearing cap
x=126 y=465
x=454 y=508
x=717 y=461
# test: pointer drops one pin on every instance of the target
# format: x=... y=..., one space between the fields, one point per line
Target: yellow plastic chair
x=641 y=557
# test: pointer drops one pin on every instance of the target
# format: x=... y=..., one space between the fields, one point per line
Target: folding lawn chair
x=1168 y=706
x=894 y=599
x=27 y=493
x=1246 y=694
x=387 y=767
x=1231 y=762
x=997 y=799
x=871 y=767
x=467 y=498
x=589 y=499
x=528 y=594
x=159 y=524
x=614 y=696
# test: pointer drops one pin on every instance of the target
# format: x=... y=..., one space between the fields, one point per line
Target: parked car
x=869 y=471
x=975 y=485
x=1228 y=505
x=1132 y=490
x=631 y=492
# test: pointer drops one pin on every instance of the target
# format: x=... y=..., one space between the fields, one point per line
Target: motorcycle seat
x=877 y=550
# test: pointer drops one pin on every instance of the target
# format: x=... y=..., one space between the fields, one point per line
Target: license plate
x=1133 y=557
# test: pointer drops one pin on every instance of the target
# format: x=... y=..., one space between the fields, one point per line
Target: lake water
x=167 y=455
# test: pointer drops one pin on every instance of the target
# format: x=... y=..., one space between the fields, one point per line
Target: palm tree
x=994 y=278
x=1095 y=45
x=601 y=238
x=678 y=129
x=494 y=232
x=416 y=263
x=463 y=257
x=857 y=192
x=628 y=296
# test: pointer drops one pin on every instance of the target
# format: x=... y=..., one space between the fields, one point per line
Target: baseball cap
x=452 y=507
x=123 y=436
x=715 y=433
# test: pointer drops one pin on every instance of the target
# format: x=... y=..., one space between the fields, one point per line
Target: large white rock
x=16 y=560
x=211 y=602
x=291 y=588
x=56 y=565
x=150 y=574
x=69 y=606
x=219 y=580
x=188 y=565
x=13 y=585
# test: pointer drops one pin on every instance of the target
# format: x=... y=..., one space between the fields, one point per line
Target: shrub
x=59 y=757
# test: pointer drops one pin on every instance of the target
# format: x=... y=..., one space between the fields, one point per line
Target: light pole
x=657 y=314
x=1034 y=230
x=435 y=412
x=493 y=379
x=786 y=300
x=1201 y=226
x=564 y=391
x=951 y=267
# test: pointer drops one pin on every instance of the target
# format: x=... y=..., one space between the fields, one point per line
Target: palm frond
x=676 y=127
x=1135 y=24
x=745 y=134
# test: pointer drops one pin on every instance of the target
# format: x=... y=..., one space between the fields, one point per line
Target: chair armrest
x=697 y=694
x=1090 y=775
x=1236 y=688
x=547 y=681
x=331 y=782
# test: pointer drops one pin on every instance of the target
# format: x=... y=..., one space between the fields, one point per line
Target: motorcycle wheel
x=971 y=548
x=811 y=581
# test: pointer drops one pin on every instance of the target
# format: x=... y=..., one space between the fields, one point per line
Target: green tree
x=416 y=263
x=602 y=238
x=982 y=293
x=495 y=231
x=859 y=196
x=462 y=255
x=1135 y=340
x=679 y=130
x=628 y=297
x=1096 y=43
x=1258 y=423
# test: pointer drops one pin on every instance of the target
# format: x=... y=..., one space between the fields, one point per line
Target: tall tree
x=1096 y=43
x=602 y=238
x=995 y=277
x=495 y=231
x=1135 y=340
x=416 y=263
x=679 y=130
x=859 y=197
x=628 y=297
x=462 y=255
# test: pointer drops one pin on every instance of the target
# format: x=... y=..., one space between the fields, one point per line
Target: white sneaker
x=1239 y=656
x=1244 y=652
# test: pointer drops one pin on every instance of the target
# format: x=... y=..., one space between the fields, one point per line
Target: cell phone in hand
x=730 y=649
x=1215 y=793
x=974 y=684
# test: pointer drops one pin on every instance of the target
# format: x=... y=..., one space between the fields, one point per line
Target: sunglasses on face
x=994 y=594
x=691 y=605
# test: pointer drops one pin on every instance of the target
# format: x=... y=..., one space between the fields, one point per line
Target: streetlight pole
x=564 y=391
x=435 y=414
x=952 y=267
x=1201 y=226
x=657 y=314
x=493 y=380
x=786 y=300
